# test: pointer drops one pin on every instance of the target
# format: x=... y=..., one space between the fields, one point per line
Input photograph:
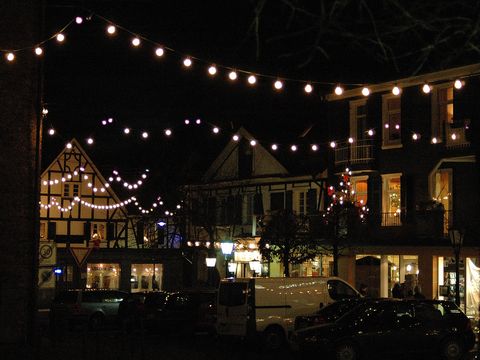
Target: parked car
x=181 y=312
x=387 y=327
x=93 y=308
x=328 y=313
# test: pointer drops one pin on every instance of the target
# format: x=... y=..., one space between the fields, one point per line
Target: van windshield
x=232 y=294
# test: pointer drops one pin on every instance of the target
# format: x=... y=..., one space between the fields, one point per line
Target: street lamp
x=211 y=261
x=456 y=239
x=227 y=248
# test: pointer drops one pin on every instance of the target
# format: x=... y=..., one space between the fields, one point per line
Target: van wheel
x=346 y=351
x=452 y=349
x=96 y=322
x=273 y=339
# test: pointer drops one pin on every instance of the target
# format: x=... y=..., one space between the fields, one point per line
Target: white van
x=268 y=306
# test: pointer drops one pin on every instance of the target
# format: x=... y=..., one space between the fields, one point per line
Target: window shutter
x=311 y=201
x=277 y=201
x=52 y=230
x=87 y=230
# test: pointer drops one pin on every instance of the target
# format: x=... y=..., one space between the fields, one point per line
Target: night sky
x=91 y=77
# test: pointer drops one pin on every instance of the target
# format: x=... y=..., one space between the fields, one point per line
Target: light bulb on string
x=187 y=121
x=10 y=56
x=38 y=51
x=126 y=131
x=110 y=120
x=60 y=38
x=365 y=91
x=278 y=85
x=434 y=140
x=89 y=141
x=79 y=20
x=371 y=132
x=333 y=144
x=308 y=88
x=168 y=132
x=314 y=147
x=198 y=121
x=453 y=136
x=426 y=88
x=415 y=136
x=252 y=79
x=187 y=62
x=159 y=52
x=235 y=137
x=274 y=147
x=338 y=90
x=232 y=75
x=212 y=70
x=396 y=91
x=136 y=41
x=111 y=29
x=458 y=84
x=44 y=111
x=253 y=142
x=216 y=130
x=69 y=145
x=51 y=131
x=293 y=148
x=145 y=135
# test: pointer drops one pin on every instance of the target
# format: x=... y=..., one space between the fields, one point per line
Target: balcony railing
x=391 y=219
x=455 y=136
x=360 y=151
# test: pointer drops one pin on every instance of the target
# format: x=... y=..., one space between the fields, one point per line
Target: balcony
x=359 y=152
x=391 y=219
x=455 y=136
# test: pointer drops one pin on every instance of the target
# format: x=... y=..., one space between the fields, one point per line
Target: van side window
x=232 y=294
x=339 y=290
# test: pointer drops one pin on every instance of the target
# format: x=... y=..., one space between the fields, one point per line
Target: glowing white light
x=293 y=147
x=38 y=51
x=136 y=41
x=232 y=75
x=60 y=37
x=274 y=147
x=79 y=20
x=95 y=189
x=415 y=136
x=253 y=142
x=212 y=70
x=339 y=90
x=198 y=121
x=350 y=140
x=89 y=185
x=387 y=126
x=252 y=79
x=187 y=62
x=144 y=176
x=454 y=136
x=371 y=132
x=333 y=144
x=126 y=131
x=434 y=140
x=365 y=91
x=458 y=84
x=44 y=111
x=187 y=121
x=168 y=132
x=216 y=130
x=145 y=135
x=85 y=177
x=426 y=88
x=118 y=178
x=397 y=126
x=104 y=122
x=10 y=56
x=110 y=120
x=111 y=29
x=51 y=132
x=278 y=84
x=159 y=52
x=235 y=138
x=90 y=141
x=314 y=147
x=69 y=146
x=409 y=268
x=308 y=88
x=396 y=90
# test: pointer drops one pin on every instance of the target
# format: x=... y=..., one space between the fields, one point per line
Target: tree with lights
x=286 y=237
x=343 y=218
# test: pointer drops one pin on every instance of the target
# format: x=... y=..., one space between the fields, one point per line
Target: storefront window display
x=103 y=276
x=146 y=277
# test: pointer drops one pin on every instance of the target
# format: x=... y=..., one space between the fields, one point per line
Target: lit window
x=391 y=200
x=442 y=110
x=391 y=120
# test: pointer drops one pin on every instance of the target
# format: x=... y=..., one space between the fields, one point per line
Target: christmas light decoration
x=136 y=41
x=159 y=52
x=212 y=70
x=278 y=85
x=60 y=38
x=308 y=88
x=232 y=75
x=338 y=90
x=252 y=79
x=10 y=56
x=38 y=51
x=396 y=91
x=111 y=29
x=187 y=62
x=365 y=91
x=426 y=88
x=458 y=84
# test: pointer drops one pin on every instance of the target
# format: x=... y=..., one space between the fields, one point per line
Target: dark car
x=386 y=327
x=181 y=312
x=94 y=308
x=328 y=313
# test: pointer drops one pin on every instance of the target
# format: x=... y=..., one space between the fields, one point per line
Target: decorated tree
x=343 y=219
x=286 y=237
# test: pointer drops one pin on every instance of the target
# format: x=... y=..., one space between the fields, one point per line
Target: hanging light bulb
x=232 y=75
x=453 y=136
x=333 y=144
x=168 y=132
x=365 y=91
x=278 y=85
x=187 y=62
x=145 y=134
x=314 y=147
x=253 y=142
x=79 y=20
x=434 y=140
x=90 y=141
x=60 y=37
x=135 y=41
x=10 y=56
x=216 y=130
x=293 y=148
x=415 y=136
x=51 y=131
x=458 y=84
x=198 y=121
x=371 y=132
x=159 y=51
x=111 y=29
x=126 y=131
x=426 y=88
x=274 y=147
x=235 y=137
x=396 y=90
x=252 y=79
x=350 y=140
x=212 y=70
x=308 y=88
x=38 y=51
x=338 y=90
x=69 y=145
